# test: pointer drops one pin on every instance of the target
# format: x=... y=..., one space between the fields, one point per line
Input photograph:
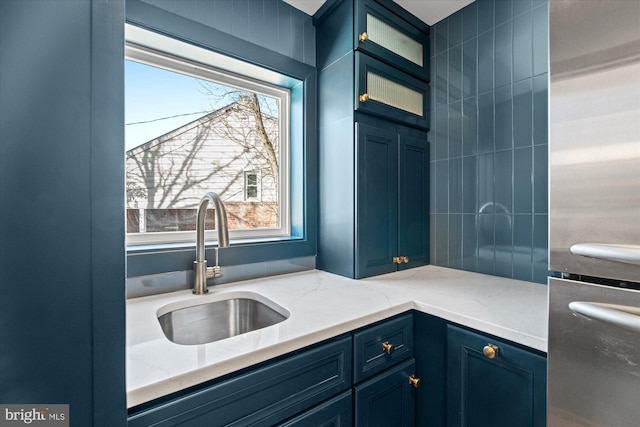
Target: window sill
x=145 y=260
x=142 y=286
x=158 y=247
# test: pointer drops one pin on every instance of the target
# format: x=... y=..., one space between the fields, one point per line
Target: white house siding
x=173 y=171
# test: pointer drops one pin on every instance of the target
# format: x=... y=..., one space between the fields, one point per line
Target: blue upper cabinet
x=413 y=201
x=373 y=112
x=384 y=91
x=392 y=203
x=380 y=53
x=387 y=32
x=377 y=201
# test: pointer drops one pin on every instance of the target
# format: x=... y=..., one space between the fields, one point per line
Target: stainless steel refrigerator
x=594 y=231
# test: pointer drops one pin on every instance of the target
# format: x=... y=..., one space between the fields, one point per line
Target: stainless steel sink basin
x=213 y=321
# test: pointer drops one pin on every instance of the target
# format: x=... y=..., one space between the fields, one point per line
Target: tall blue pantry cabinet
x=373 y=115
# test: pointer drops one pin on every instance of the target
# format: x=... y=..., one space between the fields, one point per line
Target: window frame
x=153 y=259
x=159 y=51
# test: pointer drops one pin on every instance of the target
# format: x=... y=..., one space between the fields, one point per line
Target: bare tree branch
x=171 y=171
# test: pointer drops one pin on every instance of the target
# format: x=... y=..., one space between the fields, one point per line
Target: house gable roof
x=208 y=117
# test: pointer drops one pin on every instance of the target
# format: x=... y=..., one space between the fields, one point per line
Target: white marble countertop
x=320 y=306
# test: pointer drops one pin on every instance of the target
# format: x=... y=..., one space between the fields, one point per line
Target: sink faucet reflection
x=200 y=270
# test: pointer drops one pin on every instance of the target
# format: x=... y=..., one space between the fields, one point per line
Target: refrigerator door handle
x=624 y=316
x=618 y=253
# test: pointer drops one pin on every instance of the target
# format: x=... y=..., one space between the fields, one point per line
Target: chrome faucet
x=200 y=270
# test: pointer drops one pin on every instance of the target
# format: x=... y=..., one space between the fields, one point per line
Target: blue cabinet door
x=384 y=91
x=491 y=382
x=392 y=202
x=377 y=200
x=382 y=32
x=430 y=344
x=388 y=399
x=261 y=397
x=336 y=412
x=413 y=192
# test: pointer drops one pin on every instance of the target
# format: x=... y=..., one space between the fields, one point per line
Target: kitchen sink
x=212 y=321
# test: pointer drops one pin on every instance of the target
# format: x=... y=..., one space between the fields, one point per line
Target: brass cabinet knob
x=396 y=260
x=363 y=37
x=415 y=382
x=364 y=97
x=405 y=259
x=490 y=350
x=387 y=347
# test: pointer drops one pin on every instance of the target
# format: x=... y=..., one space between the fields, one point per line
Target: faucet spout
x=200 y=270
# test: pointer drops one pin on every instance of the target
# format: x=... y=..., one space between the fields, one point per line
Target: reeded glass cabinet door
x=385 y=35
x=387 y=92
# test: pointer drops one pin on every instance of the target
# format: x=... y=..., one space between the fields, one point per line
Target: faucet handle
x=213 y=272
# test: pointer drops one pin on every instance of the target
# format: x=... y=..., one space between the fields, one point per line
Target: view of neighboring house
x=232 y=151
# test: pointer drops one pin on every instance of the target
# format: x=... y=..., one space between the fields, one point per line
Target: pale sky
x=152 y=95
x=158 y=101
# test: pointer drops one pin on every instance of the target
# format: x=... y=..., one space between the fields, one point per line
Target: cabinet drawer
x=387 y=399
x=263 y=397
x=336 y=412
x=384 y=91
x=372 y=353
x=389 y=37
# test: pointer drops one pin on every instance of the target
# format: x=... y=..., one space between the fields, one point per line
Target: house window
x=252 y=185
x=197 y=121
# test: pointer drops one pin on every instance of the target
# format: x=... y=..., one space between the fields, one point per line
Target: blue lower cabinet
x=336 y=412
x=381 y=346
x=388 y=399
x=410 y=370
x=265 y=396
x=491 y=382
x=430 y=350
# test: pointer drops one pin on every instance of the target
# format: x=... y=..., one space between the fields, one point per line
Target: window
x=198 y=121
x=251 y=185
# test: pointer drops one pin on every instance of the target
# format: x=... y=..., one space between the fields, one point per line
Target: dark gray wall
x=271 y=24
x=489 y=139
x=62 y=264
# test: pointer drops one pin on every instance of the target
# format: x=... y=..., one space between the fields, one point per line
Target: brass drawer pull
x=387 y=347
x=414 y=381
x=363 y=37
x=364 y=97
x=490 y=350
